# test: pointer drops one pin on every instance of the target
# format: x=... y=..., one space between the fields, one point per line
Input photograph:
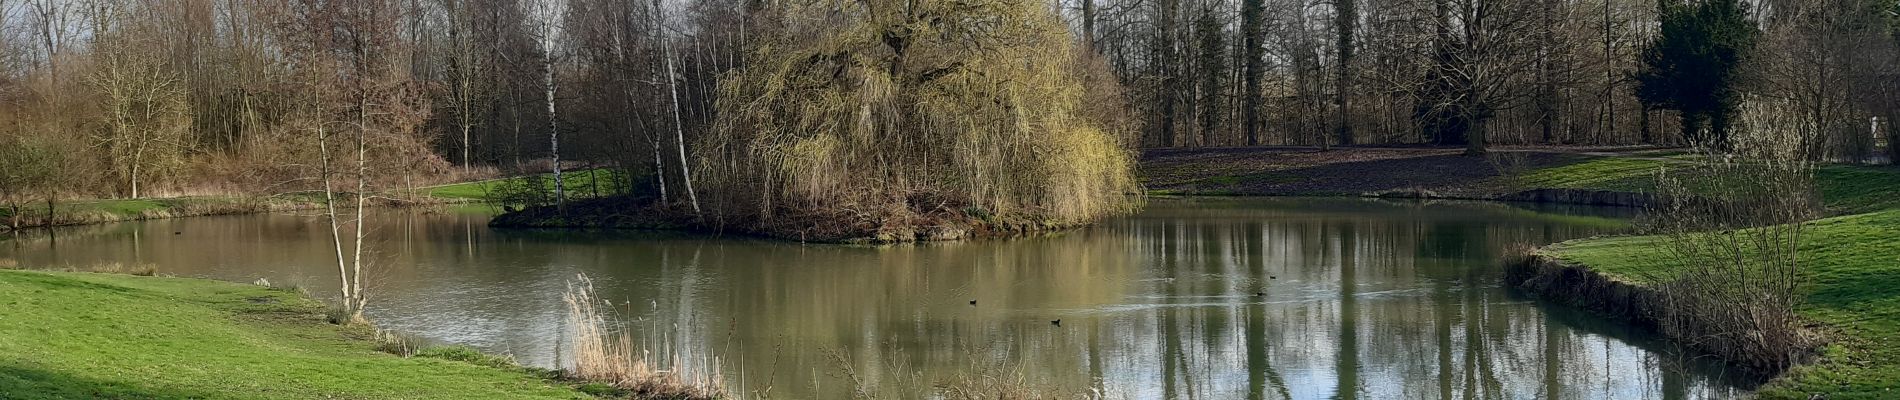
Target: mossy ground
x=80 y=335
x=1852 y=264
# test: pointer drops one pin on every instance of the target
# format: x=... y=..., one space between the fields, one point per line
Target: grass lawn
x=1853 y=266
x=1615 y=174
x=1846 y=188
x=579 y=182
x=1859 y=189
x=77 y=335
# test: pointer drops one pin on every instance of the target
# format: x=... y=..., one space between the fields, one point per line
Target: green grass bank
x=83 y=335
x=582 y=183
x=1851 y=263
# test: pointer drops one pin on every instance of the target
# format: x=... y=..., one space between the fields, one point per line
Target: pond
x=1202 y=298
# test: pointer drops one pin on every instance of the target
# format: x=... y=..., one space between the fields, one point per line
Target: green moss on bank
x=77 y=335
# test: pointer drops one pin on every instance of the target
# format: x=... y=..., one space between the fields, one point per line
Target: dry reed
x=604 y=355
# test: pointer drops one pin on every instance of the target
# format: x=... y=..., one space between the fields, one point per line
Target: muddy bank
x=1572 y=285
x=622 y=213
x=1578 y=286
x=1581 y=197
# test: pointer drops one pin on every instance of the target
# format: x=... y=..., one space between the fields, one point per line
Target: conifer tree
x=1694 y=65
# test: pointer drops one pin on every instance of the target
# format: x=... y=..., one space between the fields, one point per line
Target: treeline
x=132 y=98
x=135 y=98
x=1238 y=72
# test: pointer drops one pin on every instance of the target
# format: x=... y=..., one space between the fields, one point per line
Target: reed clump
x=941 y=121
x=114 y=268
x=605 y=355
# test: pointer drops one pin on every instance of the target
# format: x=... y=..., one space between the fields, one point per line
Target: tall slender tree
x=1253 y=32
x=1345 y=26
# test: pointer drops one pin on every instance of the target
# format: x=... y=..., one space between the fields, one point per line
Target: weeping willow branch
x=885 y=119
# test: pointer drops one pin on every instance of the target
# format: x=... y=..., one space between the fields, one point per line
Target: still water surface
x=1216 y=299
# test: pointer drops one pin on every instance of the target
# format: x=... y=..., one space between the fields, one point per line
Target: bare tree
x=346 y=63
x=466 y=72
x=1483 y=55
x=147 y=116
x=548 y=31
x=679 y=125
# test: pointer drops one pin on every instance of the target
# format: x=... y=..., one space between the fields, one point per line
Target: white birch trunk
x=329 y=204
x=679 y=125
x=554 y=132
x=362 y=198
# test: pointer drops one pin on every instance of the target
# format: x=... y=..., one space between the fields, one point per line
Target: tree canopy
x=881 y=116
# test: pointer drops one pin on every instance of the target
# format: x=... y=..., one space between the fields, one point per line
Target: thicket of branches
x=887 y=117
x=1732 y=267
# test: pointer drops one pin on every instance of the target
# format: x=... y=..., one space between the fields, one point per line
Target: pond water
x=1207 y=298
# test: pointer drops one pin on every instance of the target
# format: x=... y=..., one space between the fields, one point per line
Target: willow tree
x=913 y=117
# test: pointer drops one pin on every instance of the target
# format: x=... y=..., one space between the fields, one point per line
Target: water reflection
x=1232 y=298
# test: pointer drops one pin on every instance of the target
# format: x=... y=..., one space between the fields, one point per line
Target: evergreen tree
x=1693 y=65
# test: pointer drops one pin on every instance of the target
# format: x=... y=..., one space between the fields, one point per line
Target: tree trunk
x=362 y=197
x=554 y=131
x=1893 y=139
x=1088 y=23
x=1346 y=21
x=133 y=177
x=1170 y=72
x=1609 y=79
x=1643 y=124
x=679 y=124
x=1253 y=16
x=1475 y=135
x=329 y=205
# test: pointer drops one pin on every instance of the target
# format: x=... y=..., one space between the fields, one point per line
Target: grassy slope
x=1854 y=265
x=1605 y=173
x=69 y=335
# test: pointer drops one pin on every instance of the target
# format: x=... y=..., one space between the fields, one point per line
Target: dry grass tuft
x=995 y=384
x=398 y=343
x=605 y=356
x=117 y=268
